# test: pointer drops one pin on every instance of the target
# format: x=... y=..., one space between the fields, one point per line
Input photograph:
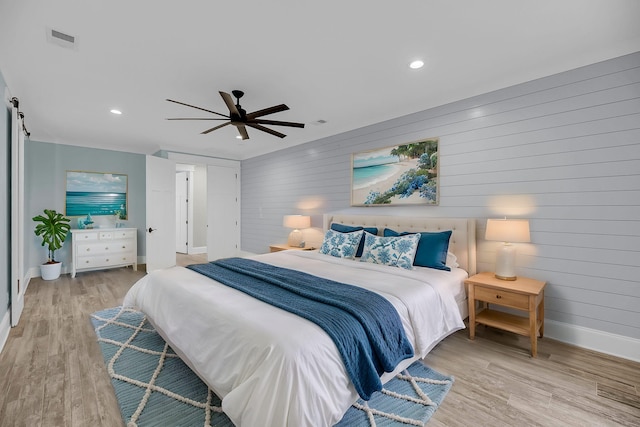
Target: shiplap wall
x=562 y=151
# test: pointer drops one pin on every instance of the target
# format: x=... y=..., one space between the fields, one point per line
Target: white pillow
x=341 y=245
x=452 y=261
x=396 y=251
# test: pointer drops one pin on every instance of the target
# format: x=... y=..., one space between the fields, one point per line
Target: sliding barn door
x=17 y=222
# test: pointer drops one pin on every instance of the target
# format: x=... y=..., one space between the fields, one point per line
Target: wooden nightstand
x=522 y=294
x=284 y=247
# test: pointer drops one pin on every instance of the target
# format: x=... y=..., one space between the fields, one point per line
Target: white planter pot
x=50 y=271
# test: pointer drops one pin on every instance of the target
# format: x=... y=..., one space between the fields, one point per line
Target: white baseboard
x=603 y=342
x=198 y=250
x=34 y=272
x=5 y=327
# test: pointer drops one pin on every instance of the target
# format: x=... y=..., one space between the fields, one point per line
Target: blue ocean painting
x=81 y=203
x=95 y=193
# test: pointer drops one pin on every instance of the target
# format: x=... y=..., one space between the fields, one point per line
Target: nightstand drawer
x=505 y=298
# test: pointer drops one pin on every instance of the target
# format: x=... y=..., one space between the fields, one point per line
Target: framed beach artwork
x=96 y=193
x=404 y=174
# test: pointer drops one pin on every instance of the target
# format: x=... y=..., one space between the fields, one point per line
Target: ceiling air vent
x=62 y=39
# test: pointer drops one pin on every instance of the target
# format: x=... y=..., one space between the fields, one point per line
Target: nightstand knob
x=498 y=296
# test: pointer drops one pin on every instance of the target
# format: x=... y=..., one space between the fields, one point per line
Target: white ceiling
x=345 y=62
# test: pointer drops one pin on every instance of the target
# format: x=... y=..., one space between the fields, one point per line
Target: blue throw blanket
x=365 y=327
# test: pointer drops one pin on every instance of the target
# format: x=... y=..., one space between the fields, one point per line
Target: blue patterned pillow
x=394 y=251
x=348 y=229
x=432 y=248
x=341 y=245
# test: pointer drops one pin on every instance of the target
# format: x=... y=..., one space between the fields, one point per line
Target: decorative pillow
x=341 y=245
x=432 y=249
x=395 y=251
x=348 y=229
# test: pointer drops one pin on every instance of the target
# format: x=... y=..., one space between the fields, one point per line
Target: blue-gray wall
x=563 y=151
x=45 y=169
x=5 y=228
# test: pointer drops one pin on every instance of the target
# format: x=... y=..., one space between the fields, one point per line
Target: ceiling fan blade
x=197 y=118
x=199 y=108
x=264 y=129
x=229 y=101
x=265 y=111
x=214 y=128
x=277 y=123
x=243 y=132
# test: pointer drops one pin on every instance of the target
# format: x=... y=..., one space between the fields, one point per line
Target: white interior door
x=182 y=211
x=161 y=214
x=17 y=223
x=223 y=212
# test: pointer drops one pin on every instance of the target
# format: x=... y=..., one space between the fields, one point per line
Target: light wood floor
x=52 y=373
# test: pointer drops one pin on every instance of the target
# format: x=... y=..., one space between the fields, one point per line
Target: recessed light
x=114 y=111
x=416 y=64
x=238 y=137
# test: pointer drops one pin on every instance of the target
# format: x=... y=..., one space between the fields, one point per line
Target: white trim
x=200 y=160
x=5 y=327
x=198 y=250
x=592 y=339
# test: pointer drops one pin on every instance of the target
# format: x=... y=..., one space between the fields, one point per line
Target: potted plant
x=53 y=228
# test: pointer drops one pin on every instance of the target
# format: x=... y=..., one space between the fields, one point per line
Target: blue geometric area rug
x=155 y=388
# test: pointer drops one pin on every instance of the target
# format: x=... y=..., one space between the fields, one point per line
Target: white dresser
x=102 y=248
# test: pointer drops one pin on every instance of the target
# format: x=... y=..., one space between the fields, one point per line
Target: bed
x=274 y=368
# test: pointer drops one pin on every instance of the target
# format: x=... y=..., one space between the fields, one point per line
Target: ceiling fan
x=241 y=119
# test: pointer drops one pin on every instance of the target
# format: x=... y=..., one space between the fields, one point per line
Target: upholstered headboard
x=463 y=236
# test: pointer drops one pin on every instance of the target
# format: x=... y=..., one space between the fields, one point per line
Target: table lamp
x=296 y=222
x=507 y=231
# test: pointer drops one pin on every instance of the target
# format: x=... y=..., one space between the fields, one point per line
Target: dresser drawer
x=505 y=298
x=82 y=237
x=124 y=234
x=106 y=247
x=105 y=260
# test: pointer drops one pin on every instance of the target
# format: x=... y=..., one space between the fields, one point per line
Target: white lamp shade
x=508 y=230
x=296 y=221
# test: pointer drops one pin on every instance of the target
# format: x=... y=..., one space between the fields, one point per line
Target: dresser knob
x=88 y=249
x=86 y=262
x=124 y=247
x=107 y=259
x=498 y=296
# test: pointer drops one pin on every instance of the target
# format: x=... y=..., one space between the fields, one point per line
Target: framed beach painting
x=404 y=174
x=96 y=193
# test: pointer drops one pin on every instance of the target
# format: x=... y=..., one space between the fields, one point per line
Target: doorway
x=191 y=209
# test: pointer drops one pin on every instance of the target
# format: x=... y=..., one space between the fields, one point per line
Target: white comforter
x=271 y=367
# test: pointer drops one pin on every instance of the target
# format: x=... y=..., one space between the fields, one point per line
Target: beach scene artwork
x=96 y=193
x=398 y=175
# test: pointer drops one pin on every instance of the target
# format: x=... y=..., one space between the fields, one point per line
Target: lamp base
x=506 y=262
x=295 y=238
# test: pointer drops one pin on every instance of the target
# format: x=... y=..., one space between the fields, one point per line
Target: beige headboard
x=463 y=236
